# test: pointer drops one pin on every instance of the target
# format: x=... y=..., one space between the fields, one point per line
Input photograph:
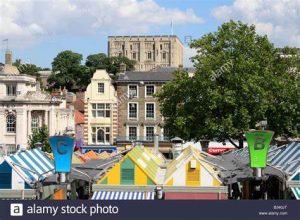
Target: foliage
x=240 y=79
x=68 y=71
x=111 y=64
x=40 y=135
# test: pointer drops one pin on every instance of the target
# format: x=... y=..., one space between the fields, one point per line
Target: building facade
x=139 y=116
x=100 y=110
x=149 y=52
x=24 y=107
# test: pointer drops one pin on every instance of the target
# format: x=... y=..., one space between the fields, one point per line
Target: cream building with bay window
x=100 y=111
x=24 y=108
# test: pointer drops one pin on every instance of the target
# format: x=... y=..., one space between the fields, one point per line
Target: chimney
x=8 y=57
x=122 y=67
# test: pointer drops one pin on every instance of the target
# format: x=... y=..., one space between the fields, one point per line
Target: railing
x=141 y=139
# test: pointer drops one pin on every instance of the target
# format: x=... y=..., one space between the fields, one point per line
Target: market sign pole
x=62 y=148
x=258 y=144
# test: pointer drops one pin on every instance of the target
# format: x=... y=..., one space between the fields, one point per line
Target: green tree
x=40 y=135
x=110 y=64
x=68 y=71
x=240 y=79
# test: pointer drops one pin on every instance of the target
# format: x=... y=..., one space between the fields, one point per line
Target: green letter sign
x=258 y=143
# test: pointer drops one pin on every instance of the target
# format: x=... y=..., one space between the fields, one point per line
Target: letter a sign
x=258 y=144
x=62 y=147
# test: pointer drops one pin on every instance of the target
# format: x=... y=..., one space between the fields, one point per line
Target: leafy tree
x=68 y=71
x=110 y=64
x=240 y=79
x=40 y=135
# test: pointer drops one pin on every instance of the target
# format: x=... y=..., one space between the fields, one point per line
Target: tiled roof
x=79 y=117
x=145 y=77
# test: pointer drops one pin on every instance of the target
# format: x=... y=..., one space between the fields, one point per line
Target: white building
x=24 y=107
x=100 y=110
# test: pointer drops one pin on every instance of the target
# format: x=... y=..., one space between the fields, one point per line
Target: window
x=130 y=47
x=164 y=55
x=149 y=55
x=133 y=91
x=134 y=56
x=34 y=122
x=132 y=110
x=11 y=123
x=150 y=90
x=149 y=133
x=11 y=90
x=100 y=87
x=161 y=46
x=100 y=135
x=132 y=133
x=101 y=110
x=120 y=54
x=150 y=110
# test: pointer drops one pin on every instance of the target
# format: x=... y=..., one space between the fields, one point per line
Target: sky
x=37 y=30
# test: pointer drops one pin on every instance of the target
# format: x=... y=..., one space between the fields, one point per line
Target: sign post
x=62 y=148
x=258 y=144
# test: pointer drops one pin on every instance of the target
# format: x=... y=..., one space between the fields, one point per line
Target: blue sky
x=39 y=30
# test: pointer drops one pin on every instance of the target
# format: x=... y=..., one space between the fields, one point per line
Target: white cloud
x=279 y=19
x=25 y=22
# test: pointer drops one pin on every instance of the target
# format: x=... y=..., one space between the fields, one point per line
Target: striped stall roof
x=187 y=154
x=296 y=190
x=107 y=195
x=146 y=161
x=288 y=158
x=30 y=164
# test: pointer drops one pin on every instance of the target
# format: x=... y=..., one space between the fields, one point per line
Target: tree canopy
x=70 y=73
x=40 y=135
x=240 y=80
x=111 y=64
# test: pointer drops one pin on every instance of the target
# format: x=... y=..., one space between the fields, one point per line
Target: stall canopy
x=30 y=165
x=296 y=190
x=287 y=158
x=191 y=168
x=107 y=195
x=139 y=166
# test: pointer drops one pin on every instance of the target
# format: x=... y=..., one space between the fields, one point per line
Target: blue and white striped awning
x=31 y=164
x=107 y=195
x=296 y=191
x=287 y=159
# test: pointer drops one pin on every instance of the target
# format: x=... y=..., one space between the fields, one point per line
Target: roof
x=78 y=105
x=150 y=164
x=31 y=164
x=79 y=117
x=91 y=155
x=287 y=158
x=132 y=76
x=10 y=69
x=186 y=155
x=91 y=170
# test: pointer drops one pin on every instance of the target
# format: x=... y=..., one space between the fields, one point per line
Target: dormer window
x=11 y=90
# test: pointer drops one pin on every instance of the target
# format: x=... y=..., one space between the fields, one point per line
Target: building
x=139 y=116
x=100 y=111
x=149 y=52
x=24 y=107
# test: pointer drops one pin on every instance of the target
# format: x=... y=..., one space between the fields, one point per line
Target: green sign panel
x=258 y=143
